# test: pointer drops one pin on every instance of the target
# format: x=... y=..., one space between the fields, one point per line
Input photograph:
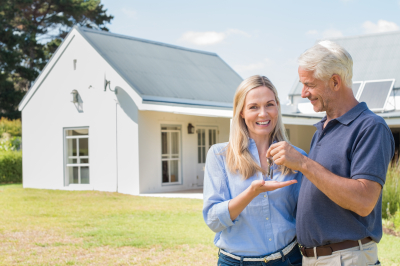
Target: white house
x=116 y=113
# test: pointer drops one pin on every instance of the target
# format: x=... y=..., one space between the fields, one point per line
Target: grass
x=391 y=192
x=48 y=227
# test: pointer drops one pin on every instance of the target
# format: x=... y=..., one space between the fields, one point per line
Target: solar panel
x=376 y=93
x=356 y=88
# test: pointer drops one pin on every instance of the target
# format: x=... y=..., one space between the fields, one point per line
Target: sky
x=253 y=37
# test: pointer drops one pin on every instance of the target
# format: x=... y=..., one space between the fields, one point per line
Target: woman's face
x=260 y=112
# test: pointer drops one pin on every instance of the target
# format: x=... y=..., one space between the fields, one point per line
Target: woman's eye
x=253 y=107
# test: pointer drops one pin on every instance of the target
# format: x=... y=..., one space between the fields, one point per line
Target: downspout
x=116 y=143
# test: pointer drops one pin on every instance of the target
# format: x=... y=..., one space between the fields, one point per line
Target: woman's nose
x=263 y=112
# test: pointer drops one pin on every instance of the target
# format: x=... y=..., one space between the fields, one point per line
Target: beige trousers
x=365 y=255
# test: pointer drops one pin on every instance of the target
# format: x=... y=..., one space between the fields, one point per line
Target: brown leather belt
x=327 y=250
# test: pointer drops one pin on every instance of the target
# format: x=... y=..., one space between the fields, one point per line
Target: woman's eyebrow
x=272 y=100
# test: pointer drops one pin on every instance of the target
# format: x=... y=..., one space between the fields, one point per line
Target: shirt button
x=270 y=239
x=267 y=218
x=265 y=196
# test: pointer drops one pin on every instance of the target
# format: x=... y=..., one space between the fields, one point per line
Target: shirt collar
x=348 y=117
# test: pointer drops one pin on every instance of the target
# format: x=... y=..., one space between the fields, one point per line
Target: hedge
x=12 y=127
x=10 y=167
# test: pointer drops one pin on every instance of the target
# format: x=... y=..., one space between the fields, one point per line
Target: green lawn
x=48 y=227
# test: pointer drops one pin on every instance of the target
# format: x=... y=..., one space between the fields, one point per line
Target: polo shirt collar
x=348 y=117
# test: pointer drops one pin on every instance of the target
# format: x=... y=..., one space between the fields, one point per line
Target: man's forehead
x=306 y=76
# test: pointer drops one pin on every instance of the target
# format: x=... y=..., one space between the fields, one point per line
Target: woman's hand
x=237 y=204
x=260 y=186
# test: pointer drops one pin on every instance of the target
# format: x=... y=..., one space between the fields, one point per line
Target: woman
x=253 y=215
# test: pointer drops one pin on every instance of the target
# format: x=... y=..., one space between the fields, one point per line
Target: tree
x=10 y=62
x=33 y=30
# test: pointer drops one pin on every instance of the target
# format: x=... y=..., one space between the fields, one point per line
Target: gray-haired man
x=340 y=203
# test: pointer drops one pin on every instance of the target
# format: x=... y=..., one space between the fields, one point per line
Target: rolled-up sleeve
x=216 y=194
x=372 y=155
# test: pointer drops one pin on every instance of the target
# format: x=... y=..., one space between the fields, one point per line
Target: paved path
x=190 y=194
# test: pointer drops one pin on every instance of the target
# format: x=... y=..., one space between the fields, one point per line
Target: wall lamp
x=74 y=96
x=190 y=129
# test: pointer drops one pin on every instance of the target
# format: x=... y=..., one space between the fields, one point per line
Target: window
x=170 y=154
x=204 y=142
x=77 y=156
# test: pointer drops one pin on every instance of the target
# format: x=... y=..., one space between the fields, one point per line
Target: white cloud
x=209 y=37
x=129 y=12
x=312 y=32
x=332 y=33
x=266 y=63
x=381 y=26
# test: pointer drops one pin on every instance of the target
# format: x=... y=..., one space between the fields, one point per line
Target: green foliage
x=12 y=127
x=10 y=167
x=391 y=192
x=12 y=144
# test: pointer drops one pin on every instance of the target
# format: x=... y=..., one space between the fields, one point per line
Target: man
x=339 y=215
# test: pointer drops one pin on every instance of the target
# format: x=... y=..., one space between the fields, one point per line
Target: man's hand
x=284 y=154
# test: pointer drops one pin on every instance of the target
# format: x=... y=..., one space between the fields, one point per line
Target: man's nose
x=304 y=92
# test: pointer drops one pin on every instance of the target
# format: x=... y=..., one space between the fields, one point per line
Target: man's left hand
x=284 y=154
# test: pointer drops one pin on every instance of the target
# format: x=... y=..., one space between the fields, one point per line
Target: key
x=270 y=171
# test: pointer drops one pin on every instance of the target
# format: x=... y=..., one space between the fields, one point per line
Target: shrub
x=13 y=127
x=12 y=144
x=10 y=167
x=391 y=192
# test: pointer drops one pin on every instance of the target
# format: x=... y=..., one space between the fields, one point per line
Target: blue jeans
x=293 y=258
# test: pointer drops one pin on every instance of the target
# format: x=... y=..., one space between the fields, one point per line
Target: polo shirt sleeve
x=216 y=194
x=372 y=153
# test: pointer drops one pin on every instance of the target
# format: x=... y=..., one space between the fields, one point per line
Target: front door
x=206 y=137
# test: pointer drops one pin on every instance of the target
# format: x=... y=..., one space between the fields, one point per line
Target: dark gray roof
x=375 y=56
x=166 y=73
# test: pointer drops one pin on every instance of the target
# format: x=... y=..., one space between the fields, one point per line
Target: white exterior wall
x=301 y=136
x=49 y=111
x=150 y=148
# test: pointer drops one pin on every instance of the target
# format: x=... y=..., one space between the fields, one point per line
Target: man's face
x=317 y=91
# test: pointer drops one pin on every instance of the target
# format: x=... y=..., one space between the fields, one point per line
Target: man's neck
x=339 y=108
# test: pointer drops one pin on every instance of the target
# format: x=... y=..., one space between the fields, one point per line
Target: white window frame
x=387 y=96
x=67 y=165
x=179 y=158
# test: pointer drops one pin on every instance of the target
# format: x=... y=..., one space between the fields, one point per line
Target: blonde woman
x=252 y=215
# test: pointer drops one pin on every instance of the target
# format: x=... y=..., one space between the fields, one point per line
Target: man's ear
x=335 y=82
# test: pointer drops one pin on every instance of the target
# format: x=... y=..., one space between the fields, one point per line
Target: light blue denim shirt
x=266 y=225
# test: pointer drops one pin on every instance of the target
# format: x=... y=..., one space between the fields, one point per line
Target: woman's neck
x=262 y=143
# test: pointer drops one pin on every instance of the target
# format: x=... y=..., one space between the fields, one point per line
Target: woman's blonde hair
x=238 y=156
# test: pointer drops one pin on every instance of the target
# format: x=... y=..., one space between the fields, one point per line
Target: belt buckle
x=303 y=250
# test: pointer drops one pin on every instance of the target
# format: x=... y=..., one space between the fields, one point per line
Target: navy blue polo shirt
x=357 y=145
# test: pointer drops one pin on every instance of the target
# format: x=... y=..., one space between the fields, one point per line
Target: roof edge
x=149 y=98
x=361 y=35
x=141 y=40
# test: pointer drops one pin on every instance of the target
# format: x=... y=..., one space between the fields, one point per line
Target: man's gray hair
x=327 y=58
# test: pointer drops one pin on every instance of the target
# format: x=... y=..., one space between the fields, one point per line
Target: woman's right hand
x=260 y=186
